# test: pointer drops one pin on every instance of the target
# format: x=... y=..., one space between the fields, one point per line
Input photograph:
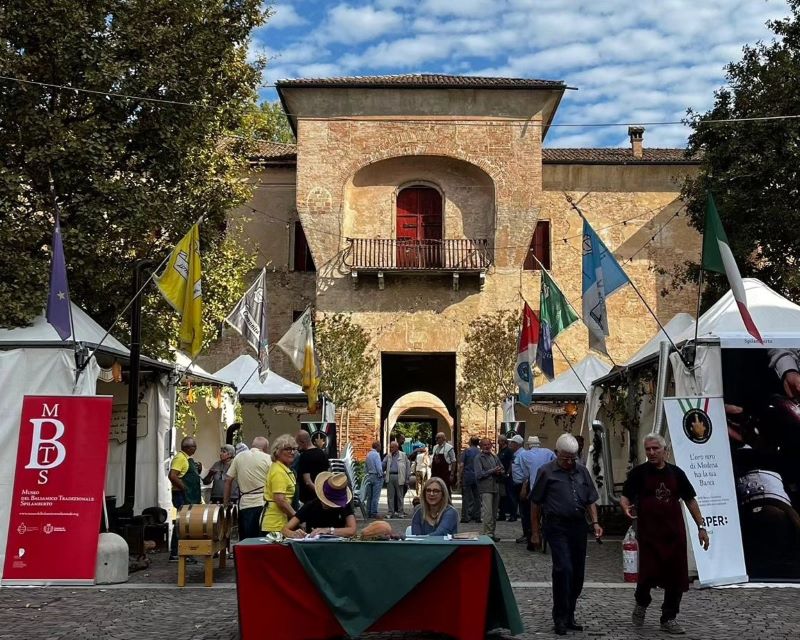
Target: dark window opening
x=302 y=254
x=540 y=247
x=296 y=315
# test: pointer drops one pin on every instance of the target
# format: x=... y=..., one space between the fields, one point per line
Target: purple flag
x=58 y=309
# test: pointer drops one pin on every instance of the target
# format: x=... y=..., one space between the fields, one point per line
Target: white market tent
x=243 y=374
x=573 y=383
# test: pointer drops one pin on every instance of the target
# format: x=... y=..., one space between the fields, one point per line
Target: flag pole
x=700 y=284
x=130 y=302
x=563 y=355
x=580 y=315
x=633 y=286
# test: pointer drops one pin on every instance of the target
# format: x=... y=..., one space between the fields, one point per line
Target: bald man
x=184 y=475
x=249 y=469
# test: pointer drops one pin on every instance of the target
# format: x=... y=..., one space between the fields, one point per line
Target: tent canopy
x=243 y=374
x=569 y=385
x=777 y=319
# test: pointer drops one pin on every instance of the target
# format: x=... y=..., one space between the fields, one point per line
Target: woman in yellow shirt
x=280 y=485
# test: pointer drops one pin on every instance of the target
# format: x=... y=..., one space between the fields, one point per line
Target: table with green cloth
x=326 y=589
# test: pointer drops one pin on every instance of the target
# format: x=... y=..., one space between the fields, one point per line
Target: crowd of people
x=289 y=489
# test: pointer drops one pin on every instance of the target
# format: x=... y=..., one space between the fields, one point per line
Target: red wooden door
x=419 y=228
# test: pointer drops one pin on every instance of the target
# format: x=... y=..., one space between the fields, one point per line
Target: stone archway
x=422 y=405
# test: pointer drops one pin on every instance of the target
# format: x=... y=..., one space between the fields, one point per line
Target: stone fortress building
x=413 y=204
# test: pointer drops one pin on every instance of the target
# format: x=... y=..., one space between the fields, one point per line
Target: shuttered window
x=540 y=247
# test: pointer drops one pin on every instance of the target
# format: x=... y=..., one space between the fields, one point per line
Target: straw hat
x=533 y=441
x=332 y=489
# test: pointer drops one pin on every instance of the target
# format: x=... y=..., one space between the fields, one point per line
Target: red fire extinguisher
x=630 y=557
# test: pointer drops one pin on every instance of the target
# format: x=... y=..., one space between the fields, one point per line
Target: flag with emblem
x=298 y=344
x=526 y=355
x=180 y=284
x=555 y=315
x=249 y=319
x=59 y=312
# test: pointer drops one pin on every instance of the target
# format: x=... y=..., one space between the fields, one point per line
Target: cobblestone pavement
x=151 y=606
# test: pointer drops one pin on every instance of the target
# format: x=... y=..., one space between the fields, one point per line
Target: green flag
x=555 y=315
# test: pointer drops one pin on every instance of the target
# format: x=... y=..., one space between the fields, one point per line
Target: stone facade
x=485 y=157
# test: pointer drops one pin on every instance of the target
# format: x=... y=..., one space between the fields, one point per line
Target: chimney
x=636 y=134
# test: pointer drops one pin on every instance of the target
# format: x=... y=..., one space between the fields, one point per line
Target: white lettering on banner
x=699 y=438
x=45 y=447
x=50 y=412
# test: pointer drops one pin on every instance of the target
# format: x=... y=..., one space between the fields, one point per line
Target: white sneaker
x=671 y=626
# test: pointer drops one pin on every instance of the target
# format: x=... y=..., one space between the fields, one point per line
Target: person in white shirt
x=396 y=469
x=249 y=469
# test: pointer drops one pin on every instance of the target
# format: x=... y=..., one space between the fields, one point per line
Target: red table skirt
x=278 y=600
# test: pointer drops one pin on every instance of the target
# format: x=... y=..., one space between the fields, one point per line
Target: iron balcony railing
x=417 y=255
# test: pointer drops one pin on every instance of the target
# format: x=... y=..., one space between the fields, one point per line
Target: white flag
x=249 y=318
x=298 y=344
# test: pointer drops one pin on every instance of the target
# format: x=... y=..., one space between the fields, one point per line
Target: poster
x=699 y=440
x=57 y=499
x=323 y=436
x=762 y=406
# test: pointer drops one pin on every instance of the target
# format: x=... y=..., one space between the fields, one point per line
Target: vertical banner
x=699 y=438
x=58 y=490
x=323 y=436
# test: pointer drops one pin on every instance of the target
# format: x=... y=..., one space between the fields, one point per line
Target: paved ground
x=151 y=606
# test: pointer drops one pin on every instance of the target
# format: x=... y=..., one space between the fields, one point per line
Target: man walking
x=488 y=472
x=184 y=475
x=533 y=460
x=374 y=479
x=249 y=470
x=652 y=494
x=396 y=469
x=563 y=490
x=311 y=462
x=518 y=479
x=470 y=496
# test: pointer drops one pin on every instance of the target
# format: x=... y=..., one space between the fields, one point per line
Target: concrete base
x=112 y=559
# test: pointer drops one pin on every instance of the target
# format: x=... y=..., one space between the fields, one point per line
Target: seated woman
x=435 y=515
x=331 y=513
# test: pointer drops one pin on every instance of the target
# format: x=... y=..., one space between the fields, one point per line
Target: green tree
x=131 y=175
x=347 y=367
x=267 y=121
x=488 y=361
x=751 y=167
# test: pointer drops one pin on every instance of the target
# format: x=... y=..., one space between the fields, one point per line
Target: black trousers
x=567 y=540
x=672 y=601
x=524 y=511
x=250 y=522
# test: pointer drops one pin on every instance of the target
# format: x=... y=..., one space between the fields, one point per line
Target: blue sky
x=632 y=61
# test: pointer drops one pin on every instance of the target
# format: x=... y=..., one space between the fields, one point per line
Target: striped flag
x=526 y=355
x=718 y=257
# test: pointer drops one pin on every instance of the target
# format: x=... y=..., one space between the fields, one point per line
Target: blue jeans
x=374 y=486
x=178 y=500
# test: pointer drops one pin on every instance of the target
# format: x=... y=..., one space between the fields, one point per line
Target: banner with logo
x=323 y=436
x=57 y=500
x=699 y=439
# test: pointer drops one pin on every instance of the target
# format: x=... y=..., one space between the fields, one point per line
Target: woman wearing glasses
x=280 y=485
x=435 y=516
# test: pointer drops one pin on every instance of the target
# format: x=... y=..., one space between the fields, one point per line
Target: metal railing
x=418 y=255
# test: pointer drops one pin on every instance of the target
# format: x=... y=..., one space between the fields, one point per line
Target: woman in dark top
x=435 y=516
x=330 y=513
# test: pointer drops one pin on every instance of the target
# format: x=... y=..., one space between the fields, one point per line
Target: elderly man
x=470 y=496
x=489 y=473
x=397 y=469
x=374 y=479
x=184 y=475
x=310 y=463
x=249 y=469
x=652 y=494
x=563 y=490
x=443 y=460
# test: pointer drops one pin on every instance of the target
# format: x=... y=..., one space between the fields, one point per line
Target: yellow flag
x=180 y=285
x=310 y=379
x=298 y=344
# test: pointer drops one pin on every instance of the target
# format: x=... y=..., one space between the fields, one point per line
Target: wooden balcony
x=380 y=255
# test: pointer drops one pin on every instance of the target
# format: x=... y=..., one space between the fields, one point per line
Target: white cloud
x=284 y=15
x=349 y=24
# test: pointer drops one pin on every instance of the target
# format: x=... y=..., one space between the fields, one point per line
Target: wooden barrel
x=200 y=521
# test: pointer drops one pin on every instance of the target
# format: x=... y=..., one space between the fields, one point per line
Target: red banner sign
x=58 y=490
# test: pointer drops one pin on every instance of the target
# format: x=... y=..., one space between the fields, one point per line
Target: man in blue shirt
x=374 y=479
x=470 y=498
x=531 y=460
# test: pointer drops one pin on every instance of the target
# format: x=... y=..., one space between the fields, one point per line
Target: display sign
x=119 y=422
x=699 y=439
x=323 y=436
x=58 y=490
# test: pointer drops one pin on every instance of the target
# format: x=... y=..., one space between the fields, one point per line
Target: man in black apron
x=184 y=474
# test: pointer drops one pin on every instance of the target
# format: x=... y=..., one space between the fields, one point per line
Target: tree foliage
x=752 y=167
x=347 y=367
x=267 y=121
x=489 y=359
x=131 y=175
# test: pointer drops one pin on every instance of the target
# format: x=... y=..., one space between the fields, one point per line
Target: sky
x=631 y=61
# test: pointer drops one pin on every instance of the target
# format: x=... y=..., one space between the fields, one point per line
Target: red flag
x=526 y=355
